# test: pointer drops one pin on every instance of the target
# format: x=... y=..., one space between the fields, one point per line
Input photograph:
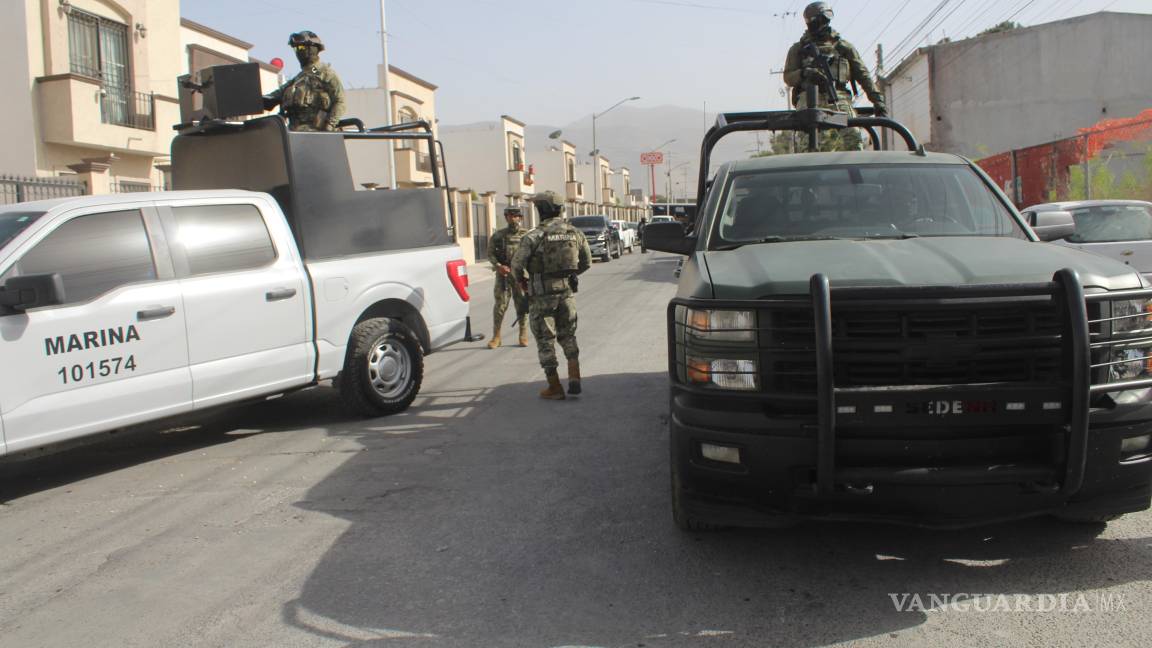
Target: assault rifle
x=811 y=55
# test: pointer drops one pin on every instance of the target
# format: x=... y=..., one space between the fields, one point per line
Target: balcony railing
x=423 y=162
x=127 y=108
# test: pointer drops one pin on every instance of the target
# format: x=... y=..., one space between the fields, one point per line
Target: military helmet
x=815 y=10
x=548 y=203
x=513 y=210
x=306 y=38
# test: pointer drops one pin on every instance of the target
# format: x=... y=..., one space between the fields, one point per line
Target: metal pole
x=387 y=95
x=595 y=168
x=1087 y=170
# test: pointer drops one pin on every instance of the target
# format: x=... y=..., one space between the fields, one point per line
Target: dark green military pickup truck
x=879 y=335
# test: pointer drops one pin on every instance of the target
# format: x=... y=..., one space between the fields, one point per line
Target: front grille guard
x=1082 y=338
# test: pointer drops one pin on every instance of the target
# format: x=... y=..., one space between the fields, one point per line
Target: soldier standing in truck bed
x=314 y=99
x=847 y=68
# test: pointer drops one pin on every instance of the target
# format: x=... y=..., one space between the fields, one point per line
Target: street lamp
x=596 y=197
x=670 y=170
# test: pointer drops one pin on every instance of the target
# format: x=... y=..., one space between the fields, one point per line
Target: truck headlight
x=1131 y=316
x=1132 y=363
x=722 y=325
x=602 y=237
x=725 y=373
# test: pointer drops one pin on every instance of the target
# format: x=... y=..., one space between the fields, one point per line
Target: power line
x=890 y=23
x=914 y=34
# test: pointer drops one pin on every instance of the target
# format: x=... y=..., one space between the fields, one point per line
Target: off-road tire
x=383 y=368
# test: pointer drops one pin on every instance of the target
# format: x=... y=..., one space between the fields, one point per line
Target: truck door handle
x=280 y=294
x=160 y=312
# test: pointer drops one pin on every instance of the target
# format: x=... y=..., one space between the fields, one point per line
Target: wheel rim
x=389 y=368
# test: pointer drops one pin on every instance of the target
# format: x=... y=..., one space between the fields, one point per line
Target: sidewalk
x=478 y=272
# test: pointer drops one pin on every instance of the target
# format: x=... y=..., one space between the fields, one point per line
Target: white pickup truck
x=122 y=309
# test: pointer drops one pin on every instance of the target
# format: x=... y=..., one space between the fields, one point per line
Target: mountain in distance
x=626 y=132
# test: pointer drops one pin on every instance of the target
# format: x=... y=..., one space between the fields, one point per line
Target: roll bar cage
x=810 y=121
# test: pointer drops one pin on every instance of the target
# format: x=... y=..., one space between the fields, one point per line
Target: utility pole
x=387 y=95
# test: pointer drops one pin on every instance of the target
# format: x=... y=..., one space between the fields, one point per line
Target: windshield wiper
x=779 y=239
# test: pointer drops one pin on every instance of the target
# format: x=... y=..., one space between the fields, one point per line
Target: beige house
x=490 y=156
x=101 y=87
x=555 y=167
x=413 y=99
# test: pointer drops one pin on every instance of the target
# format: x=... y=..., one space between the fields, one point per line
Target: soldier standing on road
x=314 y=99
x=802 y=68
x=501 y=251
x=553 y=255
x=640 y=233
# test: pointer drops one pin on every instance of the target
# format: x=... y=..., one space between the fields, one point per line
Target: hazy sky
x=551 y=62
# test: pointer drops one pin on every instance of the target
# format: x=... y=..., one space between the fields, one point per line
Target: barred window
x=98 y=48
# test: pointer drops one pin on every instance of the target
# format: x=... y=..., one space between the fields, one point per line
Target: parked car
x=1117 y=229
x=124 y=309
x=604 y=241
x=627 y=230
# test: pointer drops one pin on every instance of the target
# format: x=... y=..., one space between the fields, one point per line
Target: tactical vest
x=559 y=251
x=306 y=94
x=838 y=65
x=505 y=246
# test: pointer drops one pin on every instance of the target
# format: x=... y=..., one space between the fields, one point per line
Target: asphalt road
x=486 y=517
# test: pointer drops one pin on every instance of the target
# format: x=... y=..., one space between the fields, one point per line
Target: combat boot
x=554 y=391
x=574 y=377
x=494 y=343
x=523 y=333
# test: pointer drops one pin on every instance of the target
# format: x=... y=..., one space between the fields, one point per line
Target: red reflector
x=458 y=275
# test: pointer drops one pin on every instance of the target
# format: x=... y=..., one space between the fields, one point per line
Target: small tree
x=1007 y=25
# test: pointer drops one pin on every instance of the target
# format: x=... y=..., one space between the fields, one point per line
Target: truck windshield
x=14 y=222
x=860 y=202
x=1108 y=223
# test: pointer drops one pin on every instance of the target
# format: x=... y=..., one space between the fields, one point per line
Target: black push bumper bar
x=1082 y=339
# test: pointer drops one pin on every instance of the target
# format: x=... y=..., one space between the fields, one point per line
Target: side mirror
x=1053 y=225
x=21 y=293
x=668 y=237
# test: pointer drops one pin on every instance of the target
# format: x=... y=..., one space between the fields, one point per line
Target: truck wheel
x=684 y=521
x=383 y=369
x=607 y=256
x=619 y=251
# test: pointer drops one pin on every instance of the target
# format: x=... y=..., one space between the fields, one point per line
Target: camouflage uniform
x=551 y=305
x=553 y=255
x=501 y=249
x=848 y=69
x=314 y=99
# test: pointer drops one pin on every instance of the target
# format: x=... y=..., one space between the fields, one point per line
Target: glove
x=812 y=74
x=270 y=102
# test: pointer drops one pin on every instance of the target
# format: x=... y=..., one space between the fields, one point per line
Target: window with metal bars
x=98 y=48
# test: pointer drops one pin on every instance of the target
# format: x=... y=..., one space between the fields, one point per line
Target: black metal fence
x=131 y=186
x=15 y=189
x=126 y=108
